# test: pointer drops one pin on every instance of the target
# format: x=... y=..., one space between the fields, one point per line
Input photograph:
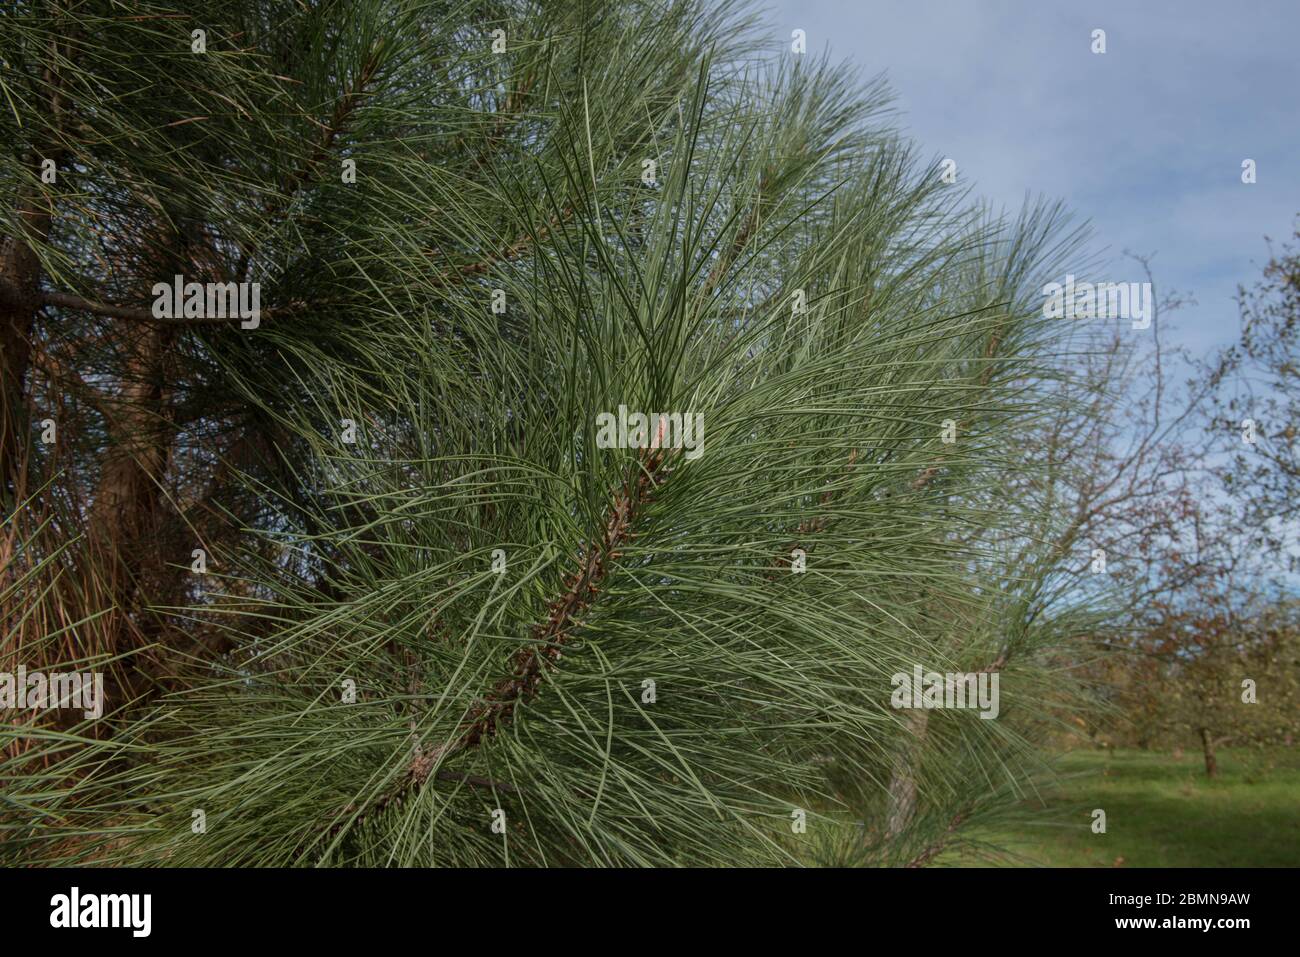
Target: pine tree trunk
x=902 y=783
x=122 y=529
x=20 y=273
x=1211 y=761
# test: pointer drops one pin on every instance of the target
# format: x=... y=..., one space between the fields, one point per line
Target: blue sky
x=1145 y=141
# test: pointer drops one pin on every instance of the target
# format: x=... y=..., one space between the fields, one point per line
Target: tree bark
x=902 y=782
x=1211 y=761
x=122 y=532
x=20 y=275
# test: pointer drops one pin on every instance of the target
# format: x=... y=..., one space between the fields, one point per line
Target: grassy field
x=1162 y=811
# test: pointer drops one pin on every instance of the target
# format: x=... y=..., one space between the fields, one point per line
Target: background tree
x=1231 y=680
x=1198 y=588
x=1258 y=379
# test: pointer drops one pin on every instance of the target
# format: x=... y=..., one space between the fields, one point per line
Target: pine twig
x=530 y=662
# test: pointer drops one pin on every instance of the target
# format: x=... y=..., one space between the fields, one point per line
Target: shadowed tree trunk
x=20 y=273
x=1211 y=761
x=122 y=532
x=902 y=783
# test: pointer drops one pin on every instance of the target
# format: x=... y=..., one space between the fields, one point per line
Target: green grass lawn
x=1161 y=811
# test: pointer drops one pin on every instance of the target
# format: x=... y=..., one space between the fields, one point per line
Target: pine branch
x=934 y=849
x=343 y=109
x=65 y=300
x=530 y=663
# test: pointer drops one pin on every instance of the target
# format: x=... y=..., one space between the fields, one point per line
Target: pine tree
x=437 y=619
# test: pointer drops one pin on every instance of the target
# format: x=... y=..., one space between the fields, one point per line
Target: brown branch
x=139 y=314
x=135 y=313
x=997 y=664
x=933 y=850
x=922 y=480
x=479 y=267
x=995 y=339
x=59 y=371
x=746 y=232
x=530 y=663
x=513 y=104
x=809 y=526
x=475 y=781
x=342 y=111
